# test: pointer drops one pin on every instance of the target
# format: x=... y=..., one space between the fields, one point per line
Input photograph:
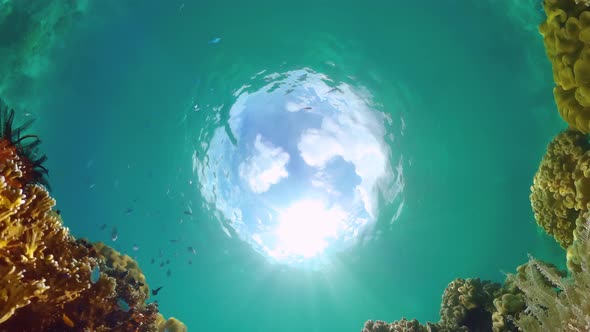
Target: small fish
x=167 y=261
x=307 y=108
x=192 y=250
x=188 y=213
x=289 y=91
x=190 y=262
x=168 y=273
x=114 y=234
x=162 y=264
x=58 y=212
x=95 y=275
x=174 y=241
x=92 y=186
x=161 y=252
x=67 y=320
x=128 y=211
x=152 y=261
x=156 y=291
x=123 y=305
x=124 y=274
x=103 y=226
x=135 y=247
x=215 y=40
x=334 y=89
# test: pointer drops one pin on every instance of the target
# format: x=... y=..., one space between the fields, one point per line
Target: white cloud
x=265 y=167
x=355 y=134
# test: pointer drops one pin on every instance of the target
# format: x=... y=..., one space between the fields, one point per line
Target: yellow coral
x=566 y=33
x=554 y=197
x=116 y=260
x=170 y=325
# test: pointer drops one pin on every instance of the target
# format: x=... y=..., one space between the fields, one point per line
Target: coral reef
x=540 y=297
x=556 y=302
x=566 y=34
x=170 y=325
x=561 y=187
x=46 y=275
x=402 y=325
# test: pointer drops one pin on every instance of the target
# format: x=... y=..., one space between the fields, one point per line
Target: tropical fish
x=215 y=40
x=168 y=273
x=114 y=234
x=191 y=249
x=95 y=274
x=135 y=247
x=67 y=320
x=122 y=305
x=152 y=261
x=156 y=291
x=188 y=213
x=128 y=211
x=190 y=262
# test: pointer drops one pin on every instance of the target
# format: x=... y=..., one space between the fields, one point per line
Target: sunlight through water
x=301 y=167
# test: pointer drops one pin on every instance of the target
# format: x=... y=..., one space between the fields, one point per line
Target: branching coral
x=554 y=302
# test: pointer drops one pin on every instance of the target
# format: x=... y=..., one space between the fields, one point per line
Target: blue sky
x=303 y=144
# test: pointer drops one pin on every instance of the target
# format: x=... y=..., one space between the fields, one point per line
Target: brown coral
x=37 y=253
x=553 y=194
x=45 y=273
x=468 y=303
x=402 y=325
x=117 y=261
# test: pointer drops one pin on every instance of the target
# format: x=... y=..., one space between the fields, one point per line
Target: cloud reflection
x=303 y=163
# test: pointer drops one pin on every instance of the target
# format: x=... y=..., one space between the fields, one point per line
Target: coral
x=554 y=197
x=468 y=303
x=45 y=273
x=170 y=325
x=402 y=325
x=565 y=34
x=115 y=260
x=555 y=302
x=22 y=165
x=508 y=304
x=40 y=262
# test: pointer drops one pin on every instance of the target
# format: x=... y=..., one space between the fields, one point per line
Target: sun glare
x=306 y=227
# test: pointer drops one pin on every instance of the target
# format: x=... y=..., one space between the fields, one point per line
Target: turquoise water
x=129 y=98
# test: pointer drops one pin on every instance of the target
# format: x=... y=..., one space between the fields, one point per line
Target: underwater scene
x=315 y=166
